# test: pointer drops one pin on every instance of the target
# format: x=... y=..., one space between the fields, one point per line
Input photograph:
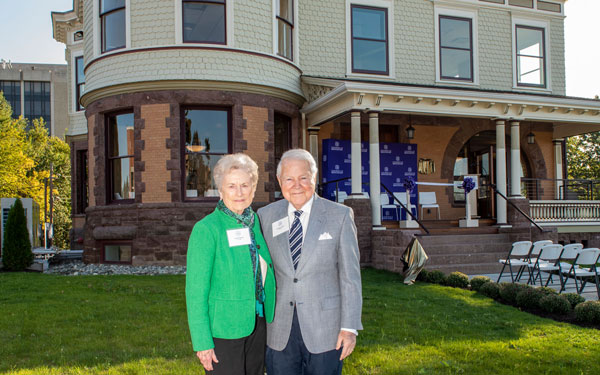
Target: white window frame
x=389 y=5
x=98 y=32
x=461 y=13
x=295 y=39
x=74 y=56
x=228 y=20
x=547 y=58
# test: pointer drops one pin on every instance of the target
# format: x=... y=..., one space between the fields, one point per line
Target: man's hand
x=207 y=357
x=347 y=341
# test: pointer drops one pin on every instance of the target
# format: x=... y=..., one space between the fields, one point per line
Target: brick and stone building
x=161 y=89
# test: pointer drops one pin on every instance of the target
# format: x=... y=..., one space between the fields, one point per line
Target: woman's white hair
x=235 y=161
x=299 y=154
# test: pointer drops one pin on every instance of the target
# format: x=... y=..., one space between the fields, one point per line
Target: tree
x=16 y=247
x=583 y=153
x=25 y=159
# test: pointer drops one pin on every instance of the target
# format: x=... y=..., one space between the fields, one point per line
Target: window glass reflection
x=369 y=40
x=204 y=22
x=117 y=253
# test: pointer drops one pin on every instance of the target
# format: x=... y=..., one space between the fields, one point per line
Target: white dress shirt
x=304 y=221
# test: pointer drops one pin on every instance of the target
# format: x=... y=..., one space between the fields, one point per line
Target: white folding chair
x=427 y=199
x=384 y=202
x=568 y=256
x=547 y=261
x=584 y=267
x=516 y=257
x=535 y=251
x=401 y=196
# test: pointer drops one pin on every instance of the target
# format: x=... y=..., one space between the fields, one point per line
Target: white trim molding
x=73 y=81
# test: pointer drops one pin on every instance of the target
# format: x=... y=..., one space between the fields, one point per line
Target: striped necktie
x=296 y=239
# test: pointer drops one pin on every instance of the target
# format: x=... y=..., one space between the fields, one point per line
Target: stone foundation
x=363 y=221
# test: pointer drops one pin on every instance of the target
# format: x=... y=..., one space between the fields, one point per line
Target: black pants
x=245 y=356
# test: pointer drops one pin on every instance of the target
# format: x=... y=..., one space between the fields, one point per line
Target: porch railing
x=560 y=189
x=524 y=214
x=564 y=210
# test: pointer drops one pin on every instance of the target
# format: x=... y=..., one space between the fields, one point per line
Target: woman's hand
x=207 y=357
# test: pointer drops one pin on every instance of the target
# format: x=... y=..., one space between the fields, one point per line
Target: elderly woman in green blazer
x=230 y=286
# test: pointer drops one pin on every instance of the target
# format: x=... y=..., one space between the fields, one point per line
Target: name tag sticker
x=238 y=237
x=281 y=226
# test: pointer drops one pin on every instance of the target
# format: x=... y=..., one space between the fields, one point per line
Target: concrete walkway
x=589 y=292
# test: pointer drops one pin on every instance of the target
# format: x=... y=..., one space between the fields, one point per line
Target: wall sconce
x=410 y=131
x=530 y=137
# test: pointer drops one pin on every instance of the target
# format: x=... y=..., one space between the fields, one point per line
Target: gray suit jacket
x=326 y=286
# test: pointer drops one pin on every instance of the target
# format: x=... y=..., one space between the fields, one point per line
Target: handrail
x=337 y=188
x=405 y=208
x=493 y=186
x=387 y=191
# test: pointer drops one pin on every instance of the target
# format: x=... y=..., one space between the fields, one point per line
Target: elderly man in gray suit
x=315 y=253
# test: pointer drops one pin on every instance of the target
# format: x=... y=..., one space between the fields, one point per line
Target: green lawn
x=137 y=325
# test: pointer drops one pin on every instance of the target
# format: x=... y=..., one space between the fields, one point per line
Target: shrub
x=509 y=291
x=490 y=289
x=478 y=281
x=574 y=299
x=545 y=290
x=457 y=280
x=423 y=275
x=554 y=303
x=16 y=248
x=588 y=312
x=436 y=277
x=529 y=298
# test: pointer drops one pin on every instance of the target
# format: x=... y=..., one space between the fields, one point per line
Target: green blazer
x=219 y=283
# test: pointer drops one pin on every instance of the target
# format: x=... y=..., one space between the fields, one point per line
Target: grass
x=63 y=325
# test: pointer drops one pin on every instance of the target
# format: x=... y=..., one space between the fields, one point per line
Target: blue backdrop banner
x=397 y=161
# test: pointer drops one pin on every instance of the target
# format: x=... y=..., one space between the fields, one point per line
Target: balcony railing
x=564 y=189
x=564 y=211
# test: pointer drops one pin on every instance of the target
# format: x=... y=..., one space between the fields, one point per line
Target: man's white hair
x=299 y=154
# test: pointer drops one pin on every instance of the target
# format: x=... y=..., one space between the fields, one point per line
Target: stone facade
x=158 y=223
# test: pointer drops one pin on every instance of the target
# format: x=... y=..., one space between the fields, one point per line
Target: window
x=120 y=158
x=79 y=82
x=207 y=139
x=117 y=253
x=285 y=28
x=78 y=36
x=81 y=186
x=530 y=56
x=521 y=3
x=204 y=21
x=37 y=101
x=12 y=94
x=456 y=48
x=369 y=40
x=550 y=7
x=112 y=21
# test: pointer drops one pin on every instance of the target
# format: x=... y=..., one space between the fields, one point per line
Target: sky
x=26 y=36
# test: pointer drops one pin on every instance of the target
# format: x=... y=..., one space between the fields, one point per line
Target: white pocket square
x=325 y=236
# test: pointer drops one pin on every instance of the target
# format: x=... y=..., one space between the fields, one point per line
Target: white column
x=374 y=170
x=558 y=168
x=515 y=159
x=500 y=171
x=355 y=156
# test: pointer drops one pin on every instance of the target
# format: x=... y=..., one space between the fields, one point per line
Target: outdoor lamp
x=410 y=132
x=530 y=137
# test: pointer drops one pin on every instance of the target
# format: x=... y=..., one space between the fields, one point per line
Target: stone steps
x=467 y=253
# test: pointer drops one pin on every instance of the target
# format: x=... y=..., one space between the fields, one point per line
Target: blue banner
x=397 y=161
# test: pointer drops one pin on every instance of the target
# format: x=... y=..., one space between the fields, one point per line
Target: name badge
x=281 y=226
x=238 y=237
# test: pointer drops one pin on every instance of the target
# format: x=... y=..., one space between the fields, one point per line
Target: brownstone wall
x=388 y=247
x=154 y=155
x=256 y=134
x=158 y=224
x=363 y=221
x=91 y=120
